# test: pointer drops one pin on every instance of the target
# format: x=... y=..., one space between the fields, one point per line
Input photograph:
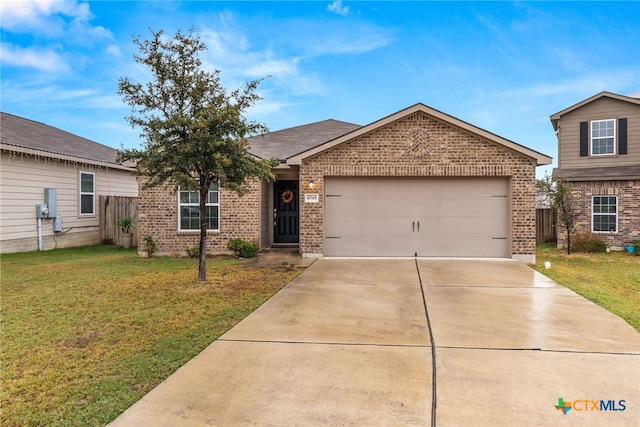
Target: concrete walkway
x=403 y=342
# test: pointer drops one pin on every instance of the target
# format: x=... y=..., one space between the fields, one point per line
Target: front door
x=285 y=212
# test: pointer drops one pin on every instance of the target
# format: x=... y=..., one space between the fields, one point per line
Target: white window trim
x=594 y=214
x=189 y=230
x=591 y=137
x=84 y=193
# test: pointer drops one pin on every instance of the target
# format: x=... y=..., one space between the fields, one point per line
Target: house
x=50 y=184
x=416 y=183
x=599 y=154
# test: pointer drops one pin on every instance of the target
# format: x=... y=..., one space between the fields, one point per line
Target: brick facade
x=415 y=145
x=422 y=146
x=158 y=217
x=628 y=193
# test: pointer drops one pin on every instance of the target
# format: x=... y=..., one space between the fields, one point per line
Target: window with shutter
x=603 y=137
x=622 y=136
x=584 y=139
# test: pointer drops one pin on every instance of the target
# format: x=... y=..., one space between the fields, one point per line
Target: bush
x=587 y=243
x=149 y=245
x=193 y=251
x=636 y=248
x=242 y=248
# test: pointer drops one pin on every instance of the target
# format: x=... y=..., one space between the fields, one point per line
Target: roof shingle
x=24 y=133
x=285 y=143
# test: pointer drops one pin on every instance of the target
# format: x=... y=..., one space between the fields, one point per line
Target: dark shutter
x=622 y=136
x=584 y=139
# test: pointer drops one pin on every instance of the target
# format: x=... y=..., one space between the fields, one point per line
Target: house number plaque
x=311 y=198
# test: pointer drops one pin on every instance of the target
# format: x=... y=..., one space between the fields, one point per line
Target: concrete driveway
x=403 y=342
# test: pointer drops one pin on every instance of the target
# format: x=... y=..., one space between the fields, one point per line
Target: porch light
x=311 y=183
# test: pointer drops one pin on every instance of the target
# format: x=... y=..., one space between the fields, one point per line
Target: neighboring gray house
x=39 y=161
x=599 y=154
x=416 y=183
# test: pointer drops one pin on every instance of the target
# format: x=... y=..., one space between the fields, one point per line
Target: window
x=605 y=214
x=189 y=209
x=603 y=136
x=87 y=193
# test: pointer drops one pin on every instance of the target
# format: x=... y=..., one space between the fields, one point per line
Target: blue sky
x=502 y=66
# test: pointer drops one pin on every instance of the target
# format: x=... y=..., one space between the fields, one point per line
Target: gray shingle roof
x=612 y=173
x=24 y=133
x=285 y=143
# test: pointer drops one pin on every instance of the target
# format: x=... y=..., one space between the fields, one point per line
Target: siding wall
x=22 y=182
x=600 y=109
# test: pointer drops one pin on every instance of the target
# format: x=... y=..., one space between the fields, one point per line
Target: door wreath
x=287 y=196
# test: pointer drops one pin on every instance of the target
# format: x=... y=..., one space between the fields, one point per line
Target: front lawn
x=87 y=332
x=611 y=280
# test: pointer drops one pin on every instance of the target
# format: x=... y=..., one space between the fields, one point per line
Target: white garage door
x=452 y=217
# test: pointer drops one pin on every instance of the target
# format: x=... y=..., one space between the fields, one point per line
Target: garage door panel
x=359 y=206
x=468 y=228
x=428 y=216
x=447 y=246
x=353 y=226
x=466 y=207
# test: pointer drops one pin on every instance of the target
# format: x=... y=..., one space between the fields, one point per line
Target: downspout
x=39 y=234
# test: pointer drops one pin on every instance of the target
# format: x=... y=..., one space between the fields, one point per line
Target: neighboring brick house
x=416 y=183
x=599 y=154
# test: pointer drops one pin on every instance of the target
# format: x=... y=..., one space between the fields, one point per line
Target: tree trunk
x=568 y=240
x=202 y=265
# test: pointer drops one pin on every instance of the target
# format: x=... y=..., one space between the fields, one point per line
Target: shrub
x=242 y=248
x=586 y=242
x=149 y=246
x=193 y=251
x=636 y=248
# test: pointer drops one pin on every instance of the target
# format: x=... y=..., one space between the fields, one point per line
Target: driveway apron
x=349 y=342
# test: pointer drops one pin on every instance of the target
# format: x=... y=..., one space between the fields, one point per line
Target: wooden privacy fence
x=546 y=225
x=112 y=208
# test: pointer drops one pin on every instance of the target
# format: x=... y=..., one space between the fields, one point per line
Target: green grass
x=611 y=280
x=86 y=332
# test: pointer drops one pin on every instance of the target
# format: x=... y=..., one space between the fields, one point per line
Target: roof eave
x=36 y=152
x=582 y=103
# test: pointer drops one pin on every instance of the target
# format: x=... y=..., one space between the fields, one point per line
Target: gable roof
x=541 y=159
x=31 y=137
x=285 y=143
x=556 y=117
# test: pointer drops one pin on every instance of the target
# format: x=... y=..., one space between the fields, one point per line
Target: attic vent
x=418 y=142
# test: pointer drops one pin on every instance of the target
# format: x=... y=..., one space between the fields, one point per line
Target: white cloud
x=51 y=18
x=40 y=59
x=338 y=8
x=114 y=50
x=280 y=68
x=581 y=86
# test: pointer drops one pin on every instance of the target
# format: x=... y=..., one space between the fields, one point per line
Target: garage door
x=453 y=217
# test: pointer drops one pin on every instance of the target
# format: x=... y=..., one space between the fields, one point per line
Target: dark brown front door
x=285 y=212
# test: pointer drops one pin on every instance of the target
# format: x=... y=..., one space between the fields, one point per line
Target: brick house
x=416 y=183
x=599 y=154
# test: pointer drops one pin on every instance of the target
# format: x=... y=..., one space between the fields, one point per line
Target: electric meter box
x=42 y=211
x=50 y=199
